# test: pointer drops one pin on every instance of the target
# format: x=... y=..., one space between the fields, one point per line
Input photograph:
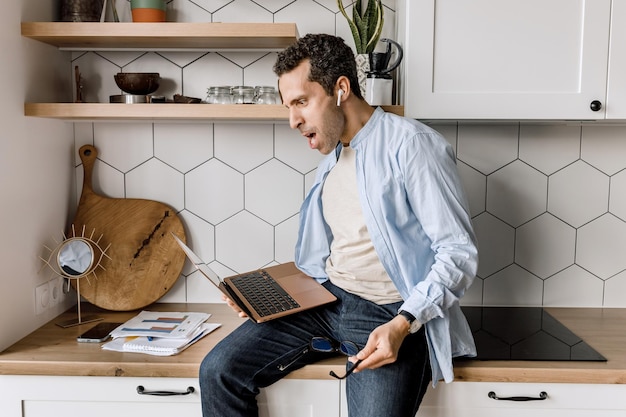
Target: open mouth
x=311 y=137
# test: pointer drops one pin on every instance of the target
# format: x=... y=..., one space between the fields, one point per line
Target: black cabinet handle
x=596 y=105
x=142 y=391
x=542 y=396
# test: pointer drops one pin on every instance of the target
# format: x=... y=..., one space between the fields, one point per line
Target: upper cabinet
x=616 y=84
x=508 y=59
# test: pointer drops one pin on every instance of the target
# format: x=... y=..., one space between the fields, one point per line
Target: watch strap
x=414 y=325
x=408 y=316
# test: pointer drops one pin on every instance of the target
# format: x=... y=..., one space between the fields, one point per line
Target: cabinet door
x=45 y=396
x=300 y=398
x=471 y=399
x=504 y=59
x=616 y=87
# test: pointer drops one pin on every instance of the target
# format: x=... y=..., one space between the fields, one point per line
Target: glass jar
x=243 y=94
x=219 y=95
x=265 y=95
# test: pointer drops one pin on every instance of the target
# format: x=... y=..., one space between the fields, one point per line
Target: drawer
x=44 y=396
x=473 y=399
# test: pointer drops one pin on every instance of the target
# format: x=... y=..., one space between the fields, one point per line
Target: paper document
x=159 y=346
x=161 y=324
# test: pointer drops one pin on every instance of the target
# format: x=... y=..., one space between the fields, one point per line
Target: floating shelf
x=164 y=111
x=89 y=36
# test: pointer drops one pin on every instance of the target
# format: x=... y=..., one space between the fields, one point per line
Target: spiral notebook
x=159 y=346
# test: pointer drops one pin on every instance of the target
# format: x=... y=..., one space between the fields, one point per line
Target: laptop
x=267 y=293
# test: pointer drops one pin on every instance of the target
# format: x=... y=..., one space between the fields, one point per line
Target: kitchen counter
x=52 y=350
x=603 y=329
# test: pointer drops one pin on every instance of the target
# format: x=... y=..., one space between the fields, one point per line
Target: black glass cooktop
x=525 y=333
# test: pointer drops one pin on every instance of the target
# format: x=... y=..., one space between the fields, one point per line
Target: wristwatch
x=413 y=323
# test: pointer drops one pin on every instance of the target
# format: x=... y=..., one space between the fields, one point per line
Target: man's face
x=311 y=110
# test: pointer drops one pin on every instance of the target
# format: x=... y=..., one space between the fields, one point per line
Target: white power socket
x=42 y=298
x=49 y=294
x=56 y=292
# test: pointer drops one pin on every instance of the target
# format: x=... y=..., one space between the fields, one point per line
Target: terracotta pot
x=148 y=10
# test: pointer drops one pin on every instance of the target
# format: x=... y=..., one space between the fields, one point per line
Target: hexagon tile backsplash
x=548 y=200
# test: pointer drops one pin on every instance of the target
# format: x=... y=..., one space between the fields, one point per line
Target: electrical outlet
x=55 y=291
x=42 y=298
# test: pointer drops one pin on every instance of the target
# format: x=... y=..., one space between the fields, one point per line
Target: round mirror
x=75 y=257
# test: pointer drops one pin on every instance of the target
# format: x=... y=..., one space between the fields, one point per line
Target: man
x=386 y=227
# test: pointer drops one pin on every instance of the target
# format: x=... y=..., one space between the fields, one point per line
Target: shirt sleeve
x=436 y=197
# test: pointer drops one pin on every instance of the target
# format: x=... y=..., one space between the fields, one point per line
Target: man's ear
x=342 y=88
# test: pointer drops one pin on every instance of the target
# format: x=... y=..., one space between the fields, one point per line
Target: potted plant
x=366 y=26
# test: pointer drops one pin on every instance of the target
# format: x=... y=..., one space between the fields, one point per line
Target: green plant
x=365 y=25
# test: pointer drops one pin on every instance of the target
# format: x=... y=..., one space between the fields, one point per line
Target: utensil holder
x=81 y=10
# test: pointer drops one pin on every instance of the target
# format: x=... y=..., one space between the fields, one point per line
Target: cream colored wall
x=35 y=167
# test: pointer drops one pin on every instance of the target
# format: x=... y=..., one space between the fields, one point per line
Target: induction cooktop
x=525 y=333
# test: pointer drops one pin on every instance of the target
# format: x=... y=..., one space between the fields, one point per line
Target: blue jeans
x=249 y=359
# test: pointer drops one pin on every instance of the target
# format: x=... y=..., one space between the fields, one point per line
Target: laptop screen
x=198 y=264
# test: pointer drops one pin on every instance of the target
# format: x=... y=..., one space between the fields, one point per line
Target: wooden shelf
x=162 y=36
x=108 y=111
x=164 y=111
x=165 y=35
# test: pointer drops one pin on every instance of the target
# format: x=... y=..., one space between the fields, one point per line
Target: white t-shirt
x=353 y=264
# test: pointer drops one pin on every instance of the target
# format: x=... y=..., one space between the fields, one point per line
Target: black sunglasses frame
x=347 y=348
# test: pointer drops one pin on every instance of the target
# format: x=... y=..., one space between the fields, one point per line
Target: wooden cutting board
x=145 y=260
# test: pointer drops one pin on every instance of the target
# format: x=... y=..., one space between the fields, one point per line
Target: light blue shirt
x=418 y=218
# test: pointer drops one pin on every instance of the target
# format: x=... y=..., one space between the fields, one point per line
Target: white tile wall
x=548 y=201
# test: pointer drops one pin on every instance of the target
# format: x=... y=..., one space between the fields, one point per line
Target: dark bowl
x=139 y=83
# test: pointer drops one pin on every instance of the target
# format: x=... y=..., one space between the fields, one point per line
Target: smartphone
x=99 y=333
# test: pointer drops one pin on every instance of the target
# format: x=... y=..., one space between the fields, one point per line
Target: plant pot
x=362 y=68
x=148 y=10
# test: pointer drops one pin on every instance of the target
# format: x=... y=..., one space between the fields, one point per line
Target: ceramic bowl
x=140 y=83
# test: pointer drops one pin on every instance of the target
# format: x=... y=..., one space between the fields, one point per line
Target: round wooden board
x=143 y=260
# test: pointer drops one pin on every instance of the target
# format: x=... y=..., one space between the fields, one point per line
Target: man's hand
x=234 y=307
x=383 y=344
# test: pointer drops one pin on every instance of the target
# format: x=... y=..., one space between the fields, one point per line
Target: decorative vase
x=362 y=68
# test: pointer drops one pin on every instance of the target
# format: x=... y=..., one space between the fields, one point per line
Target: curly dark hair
x=329 y=56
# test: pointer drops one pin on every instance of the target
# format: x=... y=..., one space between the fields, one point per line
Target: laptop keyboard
x=264 y=293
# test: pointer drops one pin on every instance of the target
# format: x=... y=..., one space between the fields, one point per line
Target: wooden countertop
x=52 y=350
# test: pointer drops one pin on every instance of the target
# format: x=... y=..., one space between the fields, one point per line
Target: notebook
x=267 y=293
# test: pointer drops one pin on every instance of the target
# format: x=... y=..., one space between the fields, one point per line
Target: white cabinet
x=471 y=399
x=45 y=396
x=616 y=86
x=300 y=398
x=509 y=59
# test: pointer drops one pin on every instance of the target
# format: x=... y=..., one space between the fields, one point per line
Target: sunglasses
x=325 y=345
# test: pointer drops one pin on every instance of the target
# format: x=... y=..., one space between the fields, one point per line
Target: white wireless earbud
x=339 y=94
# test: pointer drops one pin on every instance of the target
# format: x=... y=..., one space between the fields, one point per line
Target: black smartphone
x=98 y=333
